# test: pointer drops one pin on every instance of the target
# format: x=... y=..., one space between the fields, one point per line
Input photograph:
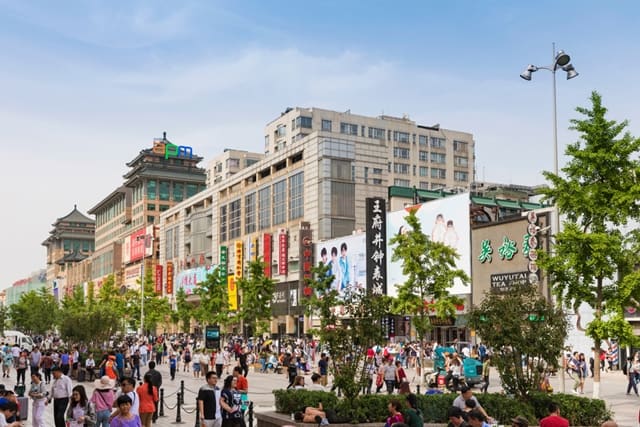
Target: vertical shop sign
x=239 y=259
x=158 y=279
x=376 y=243
x=253 y=249
x=169 y=277
x=306 y=257
x=223 y=264
x=283 y=252
x=266 y=253
x=232 y=291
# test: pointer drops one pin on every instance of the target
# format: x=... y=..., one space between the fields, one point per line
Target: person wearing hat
x=519 y=421
x=61 y=390
x=102 y=398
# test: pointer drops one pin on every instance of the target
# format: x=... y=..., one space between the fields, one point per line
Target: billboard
x=444 y=220
x=189 y=279
x=346 y=257
x=138 y=245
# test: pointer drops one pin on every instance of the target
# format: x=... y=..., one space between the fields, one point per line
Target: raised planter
x=274 y=419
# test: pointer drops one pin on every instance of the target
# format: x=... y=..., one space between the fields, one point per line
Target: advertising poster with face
x=444 y=220
x=346 y=258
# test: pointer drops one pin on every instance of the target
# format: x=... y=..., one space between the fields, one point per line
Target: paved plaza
x=612 y=391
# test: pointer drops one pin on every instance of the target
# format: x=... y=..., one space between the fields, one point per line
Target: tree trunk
x=597 y=341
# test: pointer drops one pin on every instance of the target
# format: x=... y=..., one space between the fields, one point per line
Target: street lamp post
x=148 y=238
x=561 y=60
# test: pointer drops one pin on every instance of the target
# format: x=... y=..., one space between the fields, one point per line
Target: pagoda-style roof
x=74 y=216
x=74 y=256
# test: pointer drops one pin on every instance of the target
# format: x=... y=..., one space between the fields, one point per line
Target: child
x=173 y=365
x=125 y=418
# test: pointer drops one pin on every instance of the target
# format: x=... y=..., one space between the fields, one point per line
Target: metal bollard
x=178 y=414
x=182 y=392
x=161 y=413
x=418 y=389
x=197 y=424
x=250 y=414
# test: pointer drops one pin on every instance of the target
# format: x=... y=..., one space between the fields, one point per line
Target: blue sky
x=84 y=85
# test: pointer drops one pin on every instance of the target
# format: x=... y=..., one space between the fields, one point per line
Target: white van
x=12 y=338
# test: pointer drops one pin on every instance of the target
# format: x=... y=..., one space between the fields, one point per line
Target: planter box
x=274 y=419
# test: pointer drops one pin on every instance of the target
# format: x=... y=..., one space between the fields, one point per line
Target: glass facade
x=164 y=190
x=264 y=210
x=250 y=213
x=279 y=202
x=151 y=189
x=235 y=219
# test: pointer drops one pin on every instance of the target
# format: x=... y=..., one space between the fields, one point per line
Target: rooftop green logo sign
x=167 y=149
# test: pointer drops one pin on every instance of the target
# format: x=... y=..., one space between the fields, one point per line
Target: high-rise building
x=318 y=169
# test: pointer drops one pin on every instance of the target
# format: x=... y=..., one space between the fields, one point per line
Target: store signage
x=169 y=277
x=223 y=264
x=283 y=252
x=232 y=291
x=158 y=279
x=253 y=249
x=306 y=256
x=266 y=253
x=239 y=259
x=167 y=149
x=376 y=245
x=506 y=281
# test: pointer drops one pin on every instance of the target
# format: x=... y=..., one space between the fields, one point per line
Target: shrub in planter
x=288 y=401
x=580 y=411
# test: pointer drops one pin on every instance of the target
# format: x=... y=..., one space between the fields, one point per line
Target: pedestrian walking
x=632 y=374
x=61 y=390
x=156 y=380
x=209 y=402
x=38 y=395
x=102 y=399
x=80 y=412
x=148 y=395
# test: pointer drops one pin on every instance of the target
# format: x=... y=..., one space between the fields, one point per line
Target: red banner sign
x=283 y=253
x=169 y=277
x=266 y=254
x=158 y=279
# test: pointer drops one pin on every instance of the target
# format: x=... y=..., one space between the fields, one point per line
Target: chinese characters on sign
x=158 y=288
x=283 y=252
x=376 y=243
x=306 y=256
x=508 y=249
x=169 y=277
x=239 y=259
x=223 y=263
x=532 y=247
x=266 y=253
x=485 y=251
x=232 y=290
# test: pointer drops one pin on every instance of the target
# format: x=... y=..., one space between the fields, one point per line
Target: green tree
x=35 y=313
x=214 y=300
x=593 y=262
x=520 y=324
x=184 y=311
x=430 y=268
x=349 y=325
x=256 y=290
x=112 y=299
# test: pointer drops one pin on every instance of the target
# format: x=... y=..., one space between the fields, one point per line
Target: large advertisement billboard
x=189 y=279
x=445 y=220
x=138 y=244
x=347 y=260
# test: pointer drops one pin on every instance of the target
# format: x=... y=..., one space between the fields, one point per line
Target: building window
x=436 y=186
x=266 y=147
x=151 y=189
x=437 y=142
x=423 y=156
x=279 y=202
x=377 y=181
x=164 y=190
x=192 y=190
x=400 y=136
x=249 y=162
x=223 y=223
x=366 y=175
x=422 y=139
x=235 y=216
x=460 y=146
x=377 y=171
x=281 y=130
x=168 y=243
x=178 y=191
x=296 y=196
x=424 y=171
x=250 y=213
x=401 y=182
x=438 y=173
x=348 y=128
x=400 y=153
x=303 y=122
x=233 y=163
x=460 y=161
x=461 y=176
x=151 y=206
x=151 y=219
x=376 y=133
x=438 y=158
x=401 y=168
x=341 y=169
x=164 y=208
x=326 y=125
x=424 y=185
x=264 y=210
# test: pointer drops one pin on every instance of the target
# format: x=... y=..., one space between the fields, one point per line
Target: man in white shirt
x=127 y=386
x=143 y=354
x=60 y=393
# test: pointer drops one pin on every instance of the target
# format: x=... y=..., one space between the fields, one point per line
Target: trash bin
x=19 y=390
x=23 y=402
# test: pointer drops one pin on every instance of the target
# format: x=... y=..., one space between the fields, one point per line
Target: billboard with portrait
x=346 y=257
x=444 y=220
